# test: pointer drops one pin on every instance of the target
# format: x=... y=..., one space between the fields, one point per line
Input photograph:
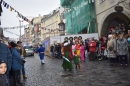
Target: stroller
x=101 y=53
x=92 y=51
x=56 y=54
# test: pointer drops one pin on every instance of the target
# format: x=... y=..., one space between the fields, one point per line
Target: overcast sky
x=26 y=8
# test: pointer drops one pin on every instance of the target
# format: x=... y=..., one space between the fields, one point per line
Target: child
x=76 y=60
x=3 y=77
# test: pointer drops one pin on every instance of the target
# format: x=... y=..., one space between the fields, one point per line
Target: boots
x=24 y=76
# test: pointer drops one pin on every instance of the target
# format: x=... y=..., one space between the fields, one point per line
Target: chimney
x=39 y=15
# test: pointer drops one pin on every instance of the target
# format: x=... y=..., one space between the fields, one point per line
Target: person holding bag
x=17 y=63
x=111 y=50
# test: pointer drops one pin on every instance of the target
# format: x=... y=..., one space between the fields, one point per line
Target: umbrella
x=66 y=59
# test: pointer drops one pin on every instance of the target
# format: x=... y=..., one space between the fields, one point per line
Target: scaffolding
x=80 y=16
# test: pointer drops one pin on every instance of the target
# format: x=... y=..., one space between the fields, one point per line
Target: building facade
x=50 y=25
x=111 y=13
x=35 y=30
x=80 y=16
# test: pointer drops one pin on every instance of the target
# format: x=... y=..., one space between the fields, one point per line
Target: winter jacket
x=3 y=80
x=6 y=55
x=122 y=47
x=111 y=53
x=17 y=59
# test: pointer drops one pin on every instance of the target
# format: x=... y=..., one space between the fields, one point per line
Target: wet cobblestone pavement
x=92 y=73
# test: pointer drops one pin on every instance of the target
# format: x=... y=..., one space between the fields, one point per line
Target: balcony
x=66 y=2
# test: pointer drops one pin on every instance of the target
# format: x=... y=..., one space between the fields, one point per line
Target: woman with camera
x=17 y=62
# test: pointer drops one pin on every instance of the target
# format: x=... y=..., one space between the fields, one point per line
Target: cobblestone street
x=94 y=73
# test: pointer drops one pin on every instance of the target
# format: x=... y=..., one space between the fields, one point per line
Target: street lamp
x=61 y=26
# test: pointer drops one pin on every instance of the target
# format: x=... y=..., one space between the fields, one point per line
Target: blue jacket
x=41 y=49
x=6 y=55
x=17 y=60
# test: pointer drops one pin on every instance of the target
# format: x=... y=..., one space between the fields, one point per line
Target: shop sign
x=118 y=9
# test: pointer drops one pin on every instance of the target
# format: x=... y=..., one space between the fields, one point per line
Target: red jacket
x=92 y=46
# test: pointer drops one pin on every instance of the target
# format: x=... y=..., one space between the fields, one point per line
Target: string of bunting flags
x=16 y=27
x=6 y=5
x=50 y=30
x=11 y=32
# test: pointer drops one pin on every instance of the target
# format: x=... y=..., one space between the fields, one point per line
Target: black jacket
x=3 y=80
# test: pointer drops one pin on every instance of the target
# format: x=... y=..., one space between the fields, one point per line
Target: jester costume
x=77 y=48
x=76 y=58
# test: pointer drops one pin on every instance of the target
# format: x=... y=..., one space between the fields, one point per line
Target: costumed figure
x=67 y=54
x=77 y=48
x=76 y=60
x=82 y=51
x=41 y=51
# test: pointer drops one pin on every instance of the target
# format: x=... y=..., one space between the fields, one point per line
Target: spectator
x=5 y=54
x=52 y=50
x=3 y=76
x=122 y=50
x=59 y=50
x=111 y=48
x=22 y=53
x=16 y=63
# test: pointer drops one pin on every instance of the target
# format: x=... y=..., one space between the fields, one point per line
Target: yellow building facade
x=50 y=25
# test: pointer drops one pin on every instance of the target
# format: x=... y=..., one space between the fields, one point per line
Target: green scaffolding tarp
x=79 y=15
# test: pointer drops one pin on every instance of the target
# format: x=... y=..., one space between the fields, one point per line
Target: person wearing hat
x=3 y=76
x=41 y=51
x=22 y=53
x=5 y=53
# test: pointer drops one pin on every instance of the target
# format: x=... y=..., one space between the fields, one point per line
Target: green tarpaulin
x=79 y=14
